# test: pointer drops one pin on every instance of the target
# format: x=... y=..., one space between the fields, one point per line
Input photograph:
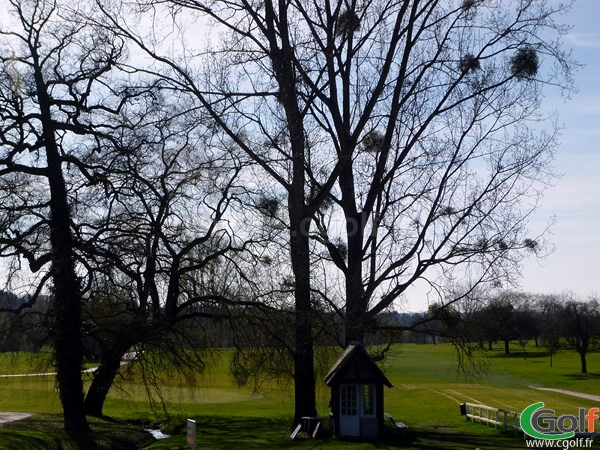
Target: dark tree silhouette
x=52 y=72
x=580 y=327
x=157 y=236
x=408 y=121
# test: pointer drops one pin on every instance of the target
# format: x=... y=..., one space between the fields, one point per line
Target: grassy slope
x=427 y=391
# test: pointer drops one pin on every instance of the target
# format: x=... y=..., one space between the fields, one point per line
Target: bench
x=399 y=427
x=309 y=426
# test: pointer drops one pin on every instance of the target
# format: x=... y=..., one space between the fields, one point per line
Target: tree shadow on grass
x=441 y=440
x=45 y=431
x=220 y=432
x=255 y=431
x=521 y=355
x=583 y=376
x=29 y=441
x=390 y=440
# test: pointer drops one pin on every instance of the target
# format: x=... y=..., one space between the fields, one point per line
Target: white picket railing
x=492 y=416
x=503 y=418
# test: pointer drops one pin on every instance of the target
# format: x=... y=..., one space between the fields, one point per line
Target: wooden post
x=191 y=433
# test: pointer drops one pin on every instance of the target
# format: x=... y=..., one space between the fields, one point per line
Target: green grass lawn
x=426 y=396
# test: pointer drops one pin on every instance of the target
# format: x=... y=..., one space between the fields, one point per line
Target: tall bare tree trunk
x=104 y=376
x=304 y=377
x=282 y=61
x=67 y=332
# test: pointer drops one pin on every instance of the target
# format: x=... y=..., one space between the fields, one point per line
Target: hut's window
x=368 y=399
x=349 y=399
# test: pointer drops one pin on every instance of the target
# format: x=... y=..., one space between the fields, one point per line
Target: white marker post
x=191 y=433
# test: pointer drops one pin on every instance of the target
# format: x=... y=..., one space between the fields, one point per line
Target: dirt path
x=595 y=398
x=12 y=416
x=127 y=358
x=46 y=374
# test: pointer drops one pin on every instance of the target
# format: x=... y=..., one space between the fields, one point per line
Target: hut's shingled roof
x=353 y=351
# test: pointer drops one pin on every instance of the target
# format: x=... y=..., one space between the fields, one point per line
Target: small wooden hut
x=356 y=384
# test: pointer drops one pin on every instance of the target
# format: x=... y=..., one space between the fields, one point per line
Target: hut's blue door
x=349 y=410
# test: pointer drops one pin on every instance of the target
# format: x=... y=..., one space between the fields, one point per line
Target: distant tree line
x=511 y=318
x=25 y=330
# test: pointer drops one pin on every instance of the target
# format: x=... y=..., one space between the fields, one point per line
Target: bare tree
x=549 y=307
x=579 y=323
x=497 y=318
x=146 y=190
x=53 y=74
x=399 y=132
x=156 y=236
x=445 y=167
x=281 y=149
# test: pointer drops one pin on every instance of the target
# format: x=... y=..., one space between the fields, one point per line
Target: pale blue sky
x=575 y=199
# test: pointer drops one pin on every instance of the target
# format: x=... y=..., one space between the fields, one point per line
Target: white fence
x=503 y=418
x=490 y=416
